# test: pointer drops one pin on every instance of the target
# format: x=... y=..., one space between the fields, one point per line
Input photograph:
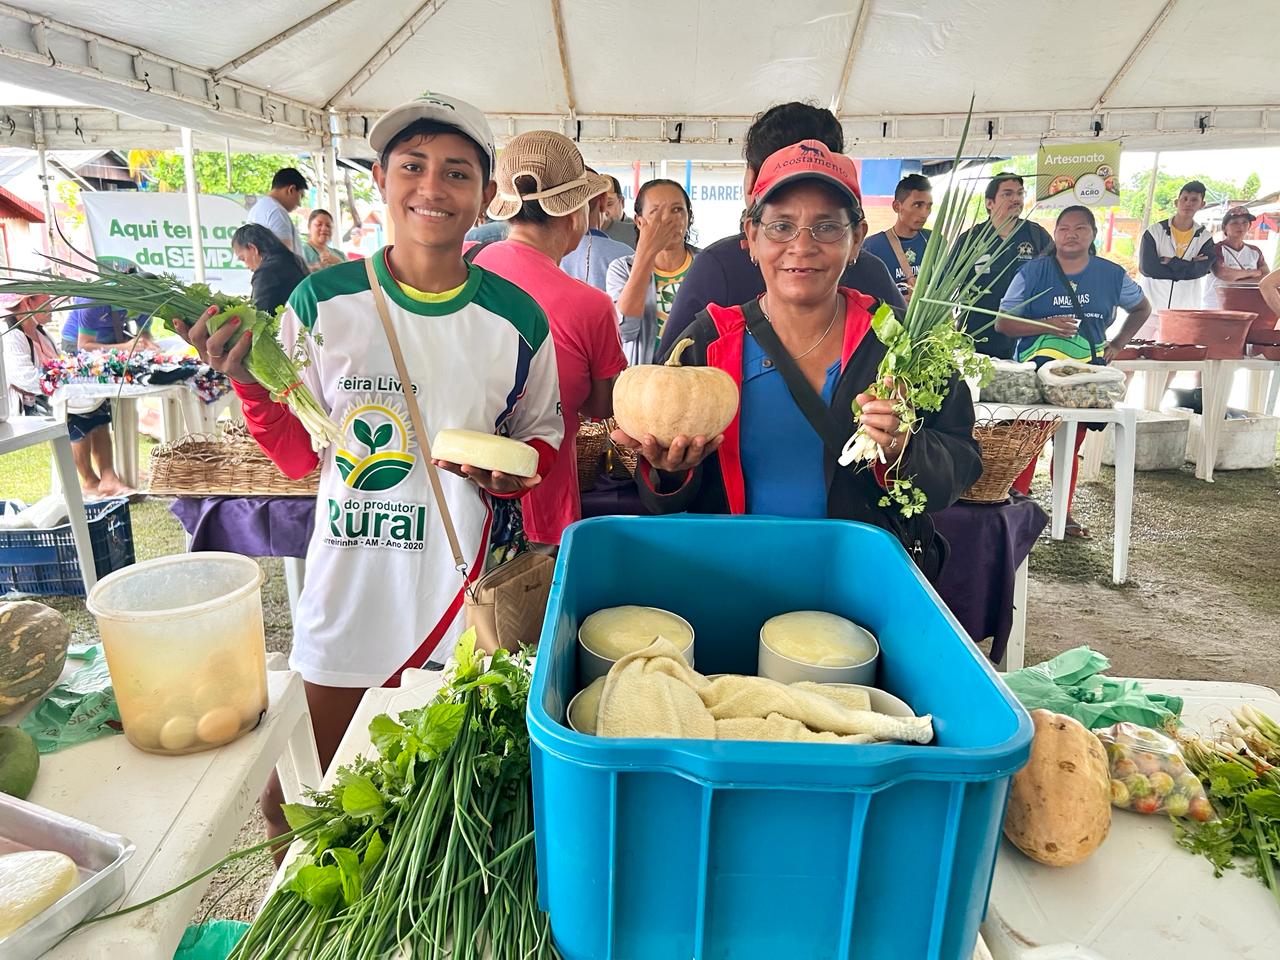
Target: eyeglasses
x=828 y=231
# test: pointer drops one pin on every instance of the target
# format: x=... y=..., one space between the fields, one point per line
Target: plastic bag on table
x=1012 y=382
x=78 y=709
x=1072 y=683
x=211 y=940
x=1149 y=775
x=1070 y=383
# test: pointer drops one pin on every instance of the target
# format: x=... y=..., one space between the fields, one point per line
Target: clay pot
x=1222 y=331
x=1130 y=352
x=1248 y=298
x=1266 y=352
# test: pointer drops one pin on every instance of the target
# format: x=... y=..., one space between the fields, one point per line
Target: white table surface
x=1125 y=420
x=20 y=432
x=1139 y=895
x=182 y=813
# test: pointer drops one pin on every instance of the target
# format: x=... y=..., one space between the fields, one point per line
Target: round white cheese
x=614 y=632
x=821 y=639
x=585 y=707
x=486 y=451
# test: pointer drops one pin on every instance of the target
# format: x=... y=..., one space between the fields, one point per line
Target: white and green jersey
x=381 y=589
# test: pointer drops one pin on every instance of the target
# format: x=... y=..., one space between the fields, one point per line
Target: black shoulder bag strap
x=473 y=252
x=810 y=402
x=1076 y=308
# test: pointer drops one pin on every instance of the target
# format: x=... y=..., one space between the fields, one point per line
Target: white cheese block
x=31 y=882
x=486 y=451
x=821 y=639
x=614 y=632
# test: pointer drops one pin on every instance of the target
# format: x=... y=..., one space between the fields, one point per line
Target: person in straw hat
x=545 y=195
x=383 y=593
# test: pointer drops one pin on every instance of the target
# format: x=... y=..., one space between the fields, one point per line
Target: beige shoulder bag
x=506 y=606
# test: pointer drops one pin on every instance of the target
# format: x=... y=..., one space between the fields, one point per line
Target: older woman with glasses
x=802 y=355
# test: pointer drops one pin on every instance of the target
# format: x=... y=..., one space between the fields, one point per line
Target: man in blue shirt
x=596 y=250
x=901 y=247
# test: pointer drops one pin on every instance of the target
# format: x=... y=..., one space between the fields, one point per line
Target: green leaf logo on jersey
x=382 y=428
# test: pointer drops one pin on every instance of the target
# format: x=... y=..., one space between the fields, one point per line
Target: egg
x=143 y=729
x=178 y=733
x=209 y=696
x=218 y=725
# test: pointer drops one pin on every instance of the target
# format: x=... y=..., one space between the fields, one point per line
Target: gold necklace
x=834 y=317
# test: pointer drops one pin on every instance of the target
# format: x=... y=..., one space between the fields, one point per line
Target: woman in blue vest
x=1071 y=295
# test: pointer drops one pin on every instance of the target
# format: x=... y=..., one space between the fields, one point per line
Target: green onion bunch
x=166 y=297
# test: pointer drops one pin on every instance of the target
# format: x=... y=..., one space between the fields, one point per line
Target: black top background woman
x=276 y=270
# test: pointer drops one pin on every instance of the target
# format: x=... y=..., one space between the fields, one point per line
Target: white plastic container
x=784 y=669
x=184 y=643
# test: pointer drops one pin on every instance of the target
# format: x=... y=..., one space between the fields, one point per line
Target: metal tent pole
x=1151 y=195
x=193 y=202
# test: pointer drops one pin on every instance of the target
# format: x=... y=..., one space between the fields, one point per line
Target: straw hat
x=562 y=182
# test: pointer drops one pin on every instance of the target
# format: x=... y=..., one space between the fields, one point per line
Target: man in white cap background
x=383 y=593
x=1234 y=260
x=548 y=197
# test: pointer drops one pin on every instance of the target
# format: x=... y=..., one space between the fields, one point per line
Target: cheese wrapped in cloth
x=654 y=693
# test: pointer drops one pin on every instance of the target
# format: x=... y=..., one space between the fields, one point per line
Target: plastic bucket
x=184 y=643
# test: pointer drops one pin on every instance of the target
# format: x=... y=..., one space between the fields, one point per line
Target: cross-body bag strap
x=1075 y=302
x=810 y=402
x=896 y=245
x=415 y=414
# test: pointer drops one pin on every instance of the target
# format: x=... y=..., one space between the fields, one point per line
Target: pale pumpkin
x=33 y=648
x=669 y=400
x=1060 y=802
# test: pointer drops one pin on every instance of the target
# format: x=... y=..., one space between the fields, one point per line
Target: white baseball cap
x=440 y=108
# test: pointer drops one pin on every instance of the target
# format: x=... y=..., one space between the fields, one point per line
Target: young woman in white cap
x=543 y=194
x=801 y=355
x=382 y=592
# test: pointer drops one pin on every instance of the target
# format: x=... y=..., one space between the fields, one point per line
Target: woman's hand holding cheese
x=495 y=481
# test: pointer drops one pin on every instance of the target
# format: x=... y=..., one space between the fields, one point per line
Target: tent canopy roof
x=682 y=76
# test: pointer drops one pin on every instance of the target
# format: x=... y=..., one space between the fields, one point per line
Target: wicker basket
x=625 y=460
x=589 y=448
x=200 y=465
x=1007 y=445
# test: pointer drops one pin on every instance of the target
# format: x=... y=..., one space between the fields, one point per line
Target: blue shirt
x=912 y=249
x=104 y=324
x=590 y=261
x=1037 y=292
x=781 y=453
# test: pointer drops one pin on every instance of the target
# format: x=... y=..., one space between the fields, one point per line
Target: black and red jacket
x=942 y=457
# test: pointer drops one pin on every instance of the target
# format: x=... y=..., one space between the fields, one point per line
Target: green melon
x=33 y=648
x=19 y=762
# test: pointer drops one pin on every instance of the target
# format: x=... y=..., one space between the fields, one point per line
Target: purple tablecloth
x=252 y=526
x=988 y=543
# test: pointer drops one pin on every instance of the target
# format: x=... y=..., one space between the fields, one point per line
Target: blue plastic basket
x=44 y=563
x=718 y=850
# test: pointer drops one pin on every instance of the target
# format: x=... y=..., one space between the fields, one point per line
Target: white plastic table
x=182 y=813
x=20 y=432
x=1125 y=419
x=180 y=408
x=1139 y=895
x=416 y=688
x=1218 y=377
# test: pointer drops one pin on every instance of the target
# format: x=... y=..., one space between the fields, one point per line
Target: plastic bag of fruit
x=1148 y=774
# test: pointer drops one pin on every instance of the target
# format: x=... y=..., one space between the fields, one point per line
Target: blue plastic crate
x=657 y=849
x=43 y=562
